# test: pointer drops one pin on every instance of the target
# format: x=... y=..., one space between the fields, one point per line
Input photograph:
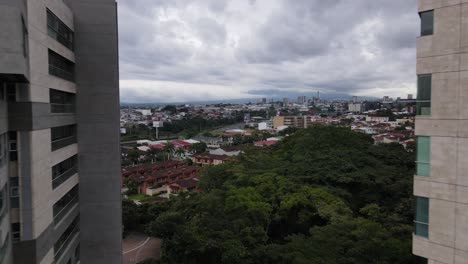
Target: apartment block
x=292 y=121
x=59 y=132
x=441 y=180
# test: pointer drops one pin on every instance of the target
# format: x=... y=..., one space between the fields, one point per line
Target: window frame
x=420 y=224
x=61 y=67
x=421 y=98
x=54 y=27
x=66 y=171
x=426 y=30
x=65 y=104
x=423 y=162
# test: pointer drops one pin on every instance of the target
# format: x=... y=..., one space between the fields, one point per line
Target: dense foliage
x=323 y=195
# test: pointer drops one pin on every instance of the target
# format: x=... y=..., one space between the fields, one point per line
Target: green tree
x=134 y=156
x=169 y=149
x=322 y=195
x=198 y=148
x=180 y=152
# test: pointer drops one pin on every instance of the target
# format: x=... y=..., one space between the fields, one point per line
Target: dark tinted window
x=59 y=31
x=63 y=136
x=61 y=67
x=423 y=102
x=61 y=102
x=427 y=23
x=63 y=171
x=421 y=218
x=63 y=206
x=65 y=238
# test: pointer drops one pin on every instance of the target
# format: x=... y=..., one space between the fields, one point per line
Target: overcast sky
x=190 y=50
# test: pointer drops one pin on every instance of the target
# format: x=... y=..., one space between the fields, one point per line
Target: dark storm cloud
x=256 y=46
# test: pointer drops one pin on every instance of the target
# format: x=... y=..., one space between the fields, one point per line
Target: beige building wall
x=278 y=121
x=445 y=55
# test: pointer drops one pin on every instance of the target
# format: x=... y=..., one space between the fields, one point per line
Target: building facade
x=292 y=121
x=441 y=180
x=58 y=87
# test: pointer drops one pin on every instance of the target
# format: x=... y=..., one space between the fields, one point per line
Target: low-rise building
x=292 y=121
x=209 y=159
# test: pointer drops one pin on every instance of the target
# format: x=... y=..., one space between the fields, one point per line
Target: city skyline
x=225 y=50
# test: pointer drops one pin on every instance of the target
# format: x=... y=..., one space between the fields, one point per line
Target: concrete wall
x=13 y=58
x=98 y=110
x=445 y=55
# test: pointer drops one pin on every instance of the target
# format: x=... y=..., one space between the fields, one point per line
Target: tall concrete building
x=441 y=181
x=59 y=132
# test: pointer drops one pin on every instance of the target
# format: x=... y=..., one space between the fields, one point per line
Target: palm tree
x=152 y=154
x=180 y=152
x=168 y=149
x=134 y=156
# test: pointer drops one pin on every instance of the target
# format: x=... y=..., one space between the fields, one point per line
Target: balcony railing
x=69 y=76
x=62 y=108
x=59 y=251
x=56 y=181
x=63 y=142
x=59 y=216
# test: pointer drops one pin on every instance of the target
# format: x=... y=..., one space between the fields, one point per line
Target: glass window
x=427 y=22
x=423 y=101
x=63 y=171
x=12 y=146
x=423 y=156
x=63 y=136
x=61 y=102
x=14 y=192
x=63 y=206
x=421 y=222
x=16 y=231
x=66 y=237
x=59 y=31
x=61 y=67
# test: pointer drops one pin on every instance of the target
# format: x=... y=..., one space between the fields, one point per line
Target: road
x=138 y=247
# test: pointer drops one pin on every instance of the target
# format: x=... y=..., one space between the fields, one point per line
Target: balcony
x=56 y=181
x=66 y=238
x=63 y=142
x=67 y=208
x=55 y=71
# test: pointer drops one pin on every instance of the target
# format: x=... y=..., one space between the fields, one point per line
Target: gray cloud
x=249 y=47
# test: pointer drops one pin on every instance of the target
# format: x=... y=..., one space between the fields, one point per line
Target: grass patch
x=138 y=197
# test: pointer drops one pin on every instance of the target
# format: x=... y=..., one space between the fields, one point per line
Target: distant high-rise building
x=441 y=180
x=301 y=99
x=410 y=97
x=264 y=100
x=285 y=101
x=354 y=99
x=355 y=107
x=60 y=179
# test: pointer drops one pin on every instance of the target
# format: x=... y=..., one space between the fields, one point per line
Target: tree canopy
x=322 y=195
